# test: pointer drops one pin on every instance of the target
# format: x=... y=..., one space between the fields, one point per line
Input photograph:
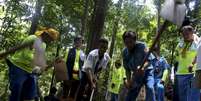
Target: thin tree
x=84 y=17
x=97 y=23
x=115 y=26
x=36 y=17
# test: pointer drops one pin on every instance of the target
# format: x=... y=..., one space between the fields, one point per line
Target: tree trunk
x=84 y=17
x=97 y=24
x=115 y=28
x=158 y=25
x=36 y=17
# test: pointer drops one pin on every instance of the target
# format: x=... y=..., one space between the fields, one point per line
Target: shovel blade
x=173 y=12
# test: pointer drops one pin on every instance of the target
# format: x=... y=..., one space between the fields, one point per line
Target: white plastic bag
x=180 y=1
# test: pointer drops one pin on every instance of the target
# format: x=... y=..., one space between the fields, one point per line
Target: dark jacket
x=71 y=60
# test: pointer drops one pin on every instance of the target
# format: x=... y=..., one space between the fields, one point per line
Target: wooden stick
x=92 y=94
x=160 y=31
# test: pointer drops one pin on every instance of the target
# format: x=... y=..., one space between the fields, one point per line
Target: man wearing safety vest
x=186 y=58
x=95 y=62
x=161 y=67
x=74 y=58
x=116 y=79
x=24 y=64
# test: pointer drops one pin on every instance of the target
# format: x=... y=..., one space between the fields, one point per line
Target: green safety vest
x=24 y=58
x=76 y=63
x=116 y=79
x=185 y=59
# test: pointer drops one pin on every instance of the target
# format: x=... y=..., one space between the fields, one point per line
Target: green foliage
x=65 y=16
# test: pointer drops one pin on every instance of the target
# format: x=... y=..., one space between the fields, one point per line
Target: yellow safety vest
x=24 y=58
x=116 y=79
x=76 y=63
x=185 y=58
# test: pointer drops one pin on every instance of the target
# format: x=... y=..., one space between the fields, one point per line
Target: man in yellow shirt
x=25 y=63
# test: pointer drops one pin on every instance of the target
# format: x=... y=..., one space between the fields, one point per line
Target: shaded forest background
x=90 y=18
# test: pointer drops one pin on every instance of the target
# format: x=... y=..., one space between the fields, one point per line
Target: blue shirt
x=131 y=60
x=159 y=66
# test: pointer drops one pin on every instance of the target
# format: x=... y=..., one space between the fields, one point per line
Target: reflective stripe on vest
x=76 y=65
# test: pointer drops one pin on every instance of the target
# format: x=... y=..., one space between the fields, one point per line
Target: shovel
x=172 y=11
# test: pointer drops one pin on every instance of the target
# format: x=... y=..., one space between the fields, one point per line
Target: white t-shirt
x=198 y=61
x=93 y=58
x=39 y=53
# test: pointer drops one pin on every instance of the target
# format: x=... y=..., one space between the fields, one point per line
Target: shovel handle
x=157 y=37
x=92 y=94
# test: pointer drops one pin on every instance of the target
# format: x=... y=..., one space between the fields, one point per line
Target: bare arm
x=14 y=49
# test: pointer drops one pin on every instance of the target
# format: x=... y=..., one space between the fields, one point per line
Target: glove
x=36 y=70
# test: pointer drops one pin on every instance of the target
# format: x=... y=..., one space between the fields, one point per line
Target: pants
x=114 y=97
x=185 y=88
x=123 y=93
x=148 y=80
x=160 y=90
x=22 y=84
x=84 y=94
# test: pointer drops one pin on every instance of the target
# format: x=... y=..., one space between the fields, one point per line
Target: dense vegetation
x=89 y=18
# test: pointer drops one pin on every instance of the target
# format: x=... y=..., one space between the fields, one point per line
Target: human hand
x=190 y=68
x=128 y=84
x=58 y=60
x=139 y=72
x=93 y=85
x=37 y=70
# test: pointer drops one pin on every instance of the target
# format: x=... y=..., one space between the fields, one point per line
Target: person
x=116 y=79
x=74 y=61
x=133 y=56
x=95 y=62
x=186 y=57
x=25 y=63
x=161 y=68
x=198 y=68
